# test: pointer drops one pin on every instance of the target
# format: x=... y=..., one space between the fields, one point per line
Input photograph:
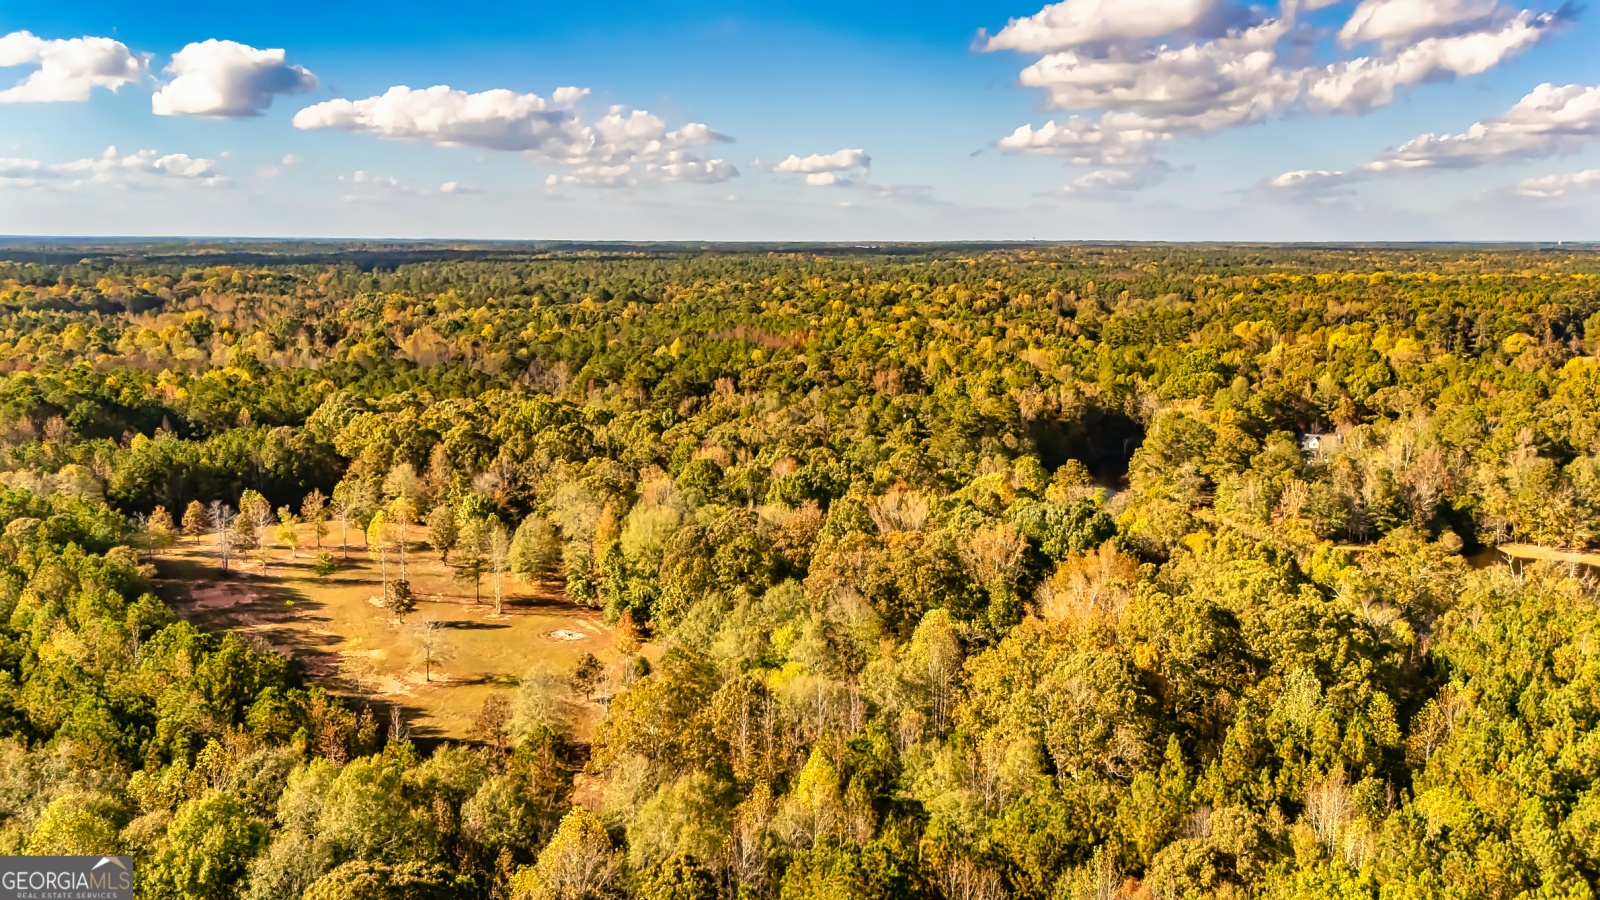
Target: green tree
x=472 y=562
x=399 y=600
x=363 y=880
x=205 y=851
x=534 y=549
x=442 y=530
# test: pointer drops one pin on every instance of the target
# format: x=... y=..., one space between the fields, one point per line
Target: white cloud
x=1307 y=184
x=841 y=168
x=20 y=168
x=1134 y=97
x=1549 y=121
x=142 y=165
x=622 y=147
x=1363 y=84
x=1075 y=23
x=68 y=70
x=1107 y=182
x=140 y=168
x=1309 y=179
x=364 y=186
x=837 y=161
x=1546 y=187
x=1082 y=142
x=495 y=120
x=680 y=166
x=1198 y=87
x=847 y=168
x=596 y=176
x=225 y=79
x=1404 y=21
x=367 y=179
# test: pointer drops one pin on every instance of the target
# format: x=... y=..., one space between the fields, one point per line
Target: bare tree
x=222 y=526
x=499 y=561
x=1328 y=808
x=141 y=535
x=432 y=647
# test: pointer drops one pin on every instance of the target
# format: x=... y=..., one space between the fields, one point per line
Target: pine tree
x=470 y=562
x=195 y=522
x=442 y=530
x=534 y=549
x=398 y=598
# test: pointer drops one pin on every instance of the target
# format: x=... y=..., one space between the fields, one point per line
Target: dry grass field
x=337 y=629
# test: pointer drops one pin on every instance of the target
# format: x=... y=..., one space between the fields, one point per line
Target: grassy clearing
x=1530 y=551
x=338 y=631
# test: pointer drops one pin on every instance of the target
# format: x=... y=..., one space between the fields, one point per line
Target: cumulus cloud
x=68 y=70
x=1083 y=142
x=622 y=147
x=1307 y=184
x=1364 y=84
x=19 y=168
x=113 y=167
x=1199 y=87
x=226 y=79
x=1404 y=21
x=1075 y=23
x=1550 y=121
x=142 y=165
x=1309 y=180
x=494 y=120
x=596 y=176
x=1109 y=182
x=364 y=185
x=1547 y=187
x=1134 y=93
x=841 y=168
x=847 y=168
x=680 y=166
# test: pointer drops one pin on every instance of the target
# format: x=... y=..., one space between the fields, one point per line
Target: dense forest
x=962 y=573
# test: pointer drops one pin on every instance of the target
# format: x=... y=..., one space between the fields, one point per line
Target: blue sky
x=1173 y=120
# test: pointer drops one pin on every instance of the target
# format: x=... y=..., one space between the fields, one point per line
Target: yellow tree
x=378 y=539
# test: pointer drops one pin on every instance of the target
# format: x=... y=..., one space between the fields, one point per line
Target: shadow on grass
x=471 y=625
x=496 y=679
